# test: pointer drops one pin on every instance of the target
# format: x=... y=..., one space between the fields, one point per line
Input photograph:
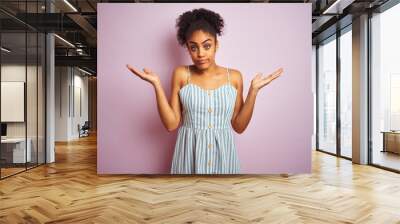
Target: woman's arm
x=170 y=112
x=243 y=111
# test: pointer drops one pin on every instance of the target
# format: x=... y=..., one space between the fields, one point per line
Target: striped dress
x=205 y=141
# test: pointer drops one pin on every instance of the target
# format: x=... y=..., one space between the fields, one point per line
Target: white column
x=50 y=92
x=360 y=90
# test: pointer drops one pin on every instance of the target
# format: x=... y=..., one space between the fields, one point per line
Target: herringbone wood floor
x=70 y=191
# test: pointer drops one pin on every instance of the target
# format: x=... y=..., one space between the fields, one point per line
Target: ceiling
x=76 y=22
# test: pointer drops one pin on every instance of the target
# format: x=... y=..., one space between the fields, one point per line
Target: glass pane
x=31 y=101
x=327 y=96
x=386 y=89
x=346 y=93
x=13 y=86
x=22 y=88
x=31 y=84
x=41 y=98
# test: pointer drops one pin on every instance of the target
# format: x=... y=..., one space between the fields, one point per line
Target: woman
x=206 y=97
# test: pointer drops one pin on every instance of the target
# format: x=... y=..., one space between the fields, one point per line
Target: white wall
x=61 y=103
x=71 y=92
x=80 y=103
x=15 y=72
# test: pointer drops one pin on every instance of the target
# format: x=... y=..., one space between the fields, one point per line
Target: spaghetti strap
x=188 y=78
x=229 y=78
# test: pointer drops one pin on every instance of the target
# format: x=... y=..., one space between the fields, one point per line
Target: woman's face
x=202 y=47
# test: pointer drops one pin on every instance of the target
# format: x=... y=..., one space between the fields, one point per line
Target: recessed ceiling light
x=337 y=7
x=5 y=49
x=70 y=5
x=86 y=72
x=64 y=40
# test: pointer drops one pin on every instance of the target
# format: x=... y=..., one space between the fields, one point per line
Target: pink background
x=258 y=37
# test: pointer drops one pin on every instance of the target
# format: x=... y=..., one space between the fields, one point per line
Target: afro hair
x=198 y=19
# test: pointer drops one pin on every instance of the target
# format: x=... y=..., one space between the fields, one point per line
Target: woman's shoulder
x=234 y=72
x=180 y=74
x=181 y=69
x=235 y=76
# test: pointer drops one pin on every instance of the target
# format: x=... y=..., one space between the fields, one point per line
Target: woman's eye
x=192 y=48
x=207 y=46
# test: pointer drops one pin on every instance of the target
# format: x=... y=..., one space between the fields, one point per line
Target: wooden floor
x=70 y=191
x=5 y=172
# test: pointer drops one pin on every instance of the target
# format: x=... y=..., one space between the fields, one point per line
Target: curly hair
x=198 y=19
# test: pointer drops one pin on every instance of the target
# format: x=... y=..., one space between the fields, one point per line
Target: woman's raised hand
x=259 y=81
x=147 y=75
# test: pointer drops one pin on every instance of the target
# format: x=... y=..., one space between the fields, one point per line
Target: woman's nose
x=200 y=53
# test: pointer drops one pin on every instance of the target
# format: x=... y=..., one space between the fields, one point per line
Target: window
x=22 y=66
x=385 y=88
x=346 y=75
x=327 y=95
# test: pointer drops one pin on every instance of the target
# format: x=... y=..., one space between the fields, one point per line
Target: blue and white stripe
x=205 y=141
